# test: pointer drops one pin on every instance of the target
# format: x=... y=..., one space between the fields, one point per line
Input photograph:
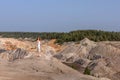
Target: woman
x=38 y=45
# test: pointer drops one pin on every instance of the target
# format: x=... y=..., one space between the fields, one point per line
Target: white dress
x=38 y=46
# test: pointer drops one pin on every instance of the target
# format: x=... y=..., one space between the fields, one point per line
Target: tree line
x=61 y=37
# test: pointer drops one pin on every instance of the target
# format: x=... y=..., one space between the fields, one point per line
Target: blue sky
x=59 y=15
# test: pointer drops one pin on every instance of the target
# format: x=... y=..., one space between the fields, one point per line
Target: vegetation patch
x=87 y=71
x=61 y=37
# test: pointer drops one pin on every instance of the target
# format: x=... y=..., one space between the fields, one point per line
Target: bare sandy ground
x=39 y=68
x=36 y=68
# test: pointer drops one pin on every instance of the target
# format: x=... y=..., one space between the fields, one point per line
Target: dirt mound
x=86 y=41
x=13 y=54
x=12 y=44
x=12 y=49
x=102 y=58
x=73 y=52
x=100 y=68
x=105 y=50
x=107 y=59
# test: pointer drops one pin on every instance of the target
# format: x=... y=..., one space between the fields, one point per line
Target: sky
x=59 y=15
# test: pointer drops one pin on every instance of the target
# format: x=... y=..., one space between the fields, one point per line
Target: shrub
x=59 y=41
x=87 y=71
